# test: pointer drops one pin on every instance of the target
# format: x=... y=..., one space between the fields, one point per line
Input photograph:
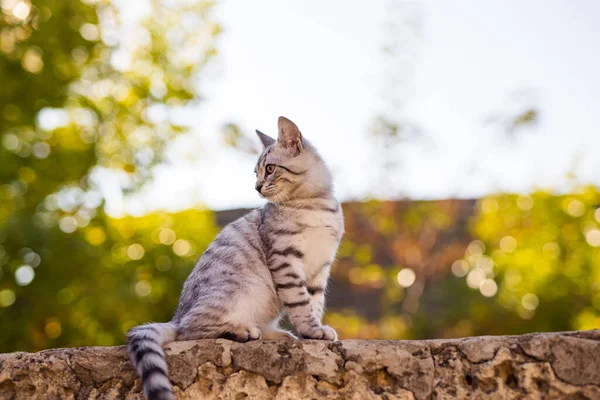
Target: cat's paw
x=242 y=334
x=321 y=332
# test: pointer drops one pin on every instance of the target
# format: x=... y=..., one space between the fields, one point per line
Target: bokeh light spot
x=475 y=248
x=89 y=32
x=182 y=247
x=475 y=278
x=486 y=264
x=7 y=298
x=576 y=208
x=52 y=118
x=41 y=150
x=135 y=251
x=488 y=288
x=460 y=268
x=53 y=328
x=95 y=235
x=508 y=244
x=92 y=199
x=67 y=224
x=406 y=277
x=143 y=288
x=593 y=237
x=489 y=206
x=166 y=236
x=32 y=60
x=32 y=258
x=525 y=203
x=530 y=301
x=21 y=10
x=10 y=142
x=24 y=275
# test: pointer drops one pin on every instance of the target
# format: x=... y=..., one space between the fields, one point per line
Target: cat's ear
x=265 y=139
x=289 y=137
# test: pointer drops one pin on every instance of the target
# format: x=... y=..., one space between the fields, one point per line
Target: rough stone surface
x=538 y=366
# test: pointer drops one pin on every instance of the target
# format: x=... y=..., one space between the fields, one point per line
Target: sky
x=454 y=65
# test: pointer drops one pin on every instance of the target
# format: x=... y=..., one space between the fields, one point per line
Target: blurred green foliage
x=80 y=93
x=506 y=264
x=543 y=251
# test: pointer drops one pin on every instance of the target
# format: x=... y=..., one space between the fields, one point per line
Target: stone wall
x=537 y=366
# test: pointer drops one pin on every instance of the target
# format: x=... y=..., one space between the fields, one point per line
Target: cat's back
x=239 y=237
x=245 y=225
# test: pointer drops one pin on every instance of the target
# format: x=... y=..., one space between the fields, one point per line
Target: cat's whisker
x=281 y=199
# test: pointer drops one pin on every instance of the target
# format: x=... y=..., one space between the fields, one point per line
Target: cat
x=274 y=259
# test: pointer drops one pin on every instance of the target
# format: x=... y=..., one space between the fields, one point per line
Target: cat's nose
x=258 y=187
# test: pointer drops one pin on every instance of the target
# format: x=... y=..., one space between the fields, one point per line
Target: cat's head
x=290 y=168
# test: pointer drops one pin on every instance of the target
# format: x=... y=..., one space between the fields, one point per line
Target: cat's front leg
x=316 y=287
x=286 y=267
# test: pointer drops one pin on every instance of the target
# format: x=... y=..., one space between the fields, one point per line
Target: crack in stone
x=550 y=363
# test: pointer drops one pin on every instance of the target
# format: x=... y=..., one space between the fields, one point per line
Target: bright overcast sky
x=322 y=65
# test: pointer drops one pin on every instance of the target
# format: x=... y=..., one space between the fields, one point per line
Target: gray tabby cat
x=273 y=259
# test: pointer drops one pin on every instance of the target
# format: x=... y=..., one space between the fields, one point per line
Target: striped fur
x=273 y=260
x=147 y=356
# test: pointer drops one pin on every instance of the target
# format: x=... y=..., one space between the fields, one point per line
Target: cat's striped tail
x=146 y=353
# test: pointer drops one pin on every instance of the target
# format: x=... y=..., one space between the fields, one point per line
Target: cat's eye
x=270 y=168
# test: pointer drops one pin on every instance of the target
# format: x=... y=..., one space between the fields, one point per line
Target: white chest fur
x=320 y=239
x=320 y=226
